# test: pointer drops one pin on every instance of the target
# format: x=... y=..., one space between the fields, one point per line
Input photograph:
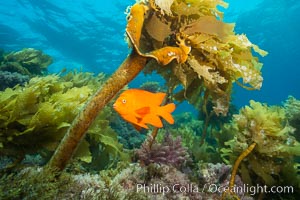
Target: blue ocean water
x=89 y=35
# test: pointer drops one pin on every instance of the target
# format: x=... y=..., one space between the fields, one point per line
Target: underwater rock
x=213 y=173
x=292 y=110
x=9 y=79
x=218 y=174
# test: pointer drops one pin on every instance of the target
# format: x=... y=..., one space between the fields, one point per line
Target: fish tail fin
x=165 y=112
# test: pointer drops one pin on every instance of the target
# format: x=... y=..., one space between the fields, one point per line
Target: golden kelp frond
x=166 y=54
x=241 y=41
x=221 y=101
x=235 y=61
x=163 y=55
x=164 y=5
x=199 y=7
x=181 y=8
x=135 y=23
x=209 y=25
x=157 y=29
x=174 y=32
x=249 y=71
x=206 y=72
x=198 y=39
x=184 y=74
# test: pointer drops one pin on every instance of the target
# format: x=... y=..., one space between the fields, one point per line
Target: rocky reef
x=52 y=120
x=11 y=79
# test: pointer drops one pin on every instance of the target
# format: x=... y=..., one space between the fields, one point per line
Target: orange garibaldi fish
x=140 y=107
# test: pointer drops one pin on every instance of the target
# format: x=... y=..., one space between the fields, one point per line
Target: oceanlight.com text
x=252 y=190
x=212 y=188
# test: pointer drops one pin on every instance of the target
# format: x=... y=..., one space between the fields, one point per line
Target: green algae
x=28 y=61
x=276 y=147
x=36 y=116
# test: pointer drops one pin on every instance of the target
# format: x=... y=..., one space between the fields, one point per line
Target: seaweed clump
x=272 y=160
x=192 y=46
x=28 y=61
x=17 y=67
x=35 y=117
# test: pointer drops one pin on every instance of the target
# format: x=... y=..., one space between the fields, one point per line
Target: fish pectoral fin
x=143 y=111
x=139 y=127
x=139 y=119
x=154 y=120
x=136 y=127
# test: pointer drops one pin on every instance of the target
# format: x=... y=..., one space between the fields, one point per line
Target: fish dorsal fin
x=143 y=111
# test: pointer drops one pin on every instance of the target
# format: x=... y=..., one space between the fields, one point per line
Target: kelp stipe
x=126 y=72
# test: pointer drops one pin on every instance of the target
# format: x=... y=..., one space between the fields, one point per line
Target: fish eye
x=123 y=100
